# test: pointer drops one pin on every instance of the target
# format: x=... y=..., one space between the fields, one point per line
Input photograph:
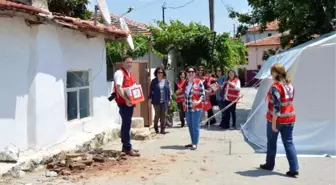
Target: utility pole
x=234 y=30
x=211 y=15
x=163 y=11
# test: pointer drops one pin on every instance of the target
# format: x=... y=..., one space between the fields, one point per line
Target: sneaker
x=292 y=174
x=265 y=167
x=188 y=145
x=193 y=147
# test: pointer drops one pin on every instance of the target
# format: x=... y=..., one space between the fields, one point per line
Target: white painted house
x=53 y=76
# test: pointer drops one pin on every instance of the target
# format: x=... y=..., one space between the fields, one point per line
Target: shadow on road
x=173 y=147
x=258 y=173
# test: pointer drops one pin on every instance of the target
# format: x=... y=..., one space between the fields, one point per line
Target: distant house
x=253 y=33
x=52 y=78
x=134 y=26
x=256 y=52
x=257 y=42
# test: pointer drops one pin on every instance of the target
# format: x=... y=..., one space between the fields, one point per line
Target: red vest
x=180 y=96
x=287 y=114
x=128 y=82
x=232 y=94
x=196 y=93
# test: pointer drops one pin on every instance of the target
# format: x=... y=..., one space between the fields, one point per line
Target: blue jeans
x=126 y=114
x=193 y=121
x=286 y=132
x=221 y=106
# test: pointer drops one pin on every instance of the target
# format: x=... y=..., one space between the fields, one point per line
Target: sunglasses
x=191 y=71
x=159 y=72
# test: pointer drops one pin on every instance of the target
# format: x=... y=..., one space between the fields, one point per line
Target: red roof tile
x=268 y=41
x=110 y=32
x=271 y=26
x=134 y=26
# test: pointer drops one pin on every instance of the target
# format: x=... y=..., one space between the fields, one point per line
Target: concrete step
x=137 y=122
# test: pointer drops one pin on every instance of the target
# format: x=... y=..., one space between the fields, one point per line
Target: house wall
x=155 y=60
x=255 y=55
x=253 y=36
x=33 y=83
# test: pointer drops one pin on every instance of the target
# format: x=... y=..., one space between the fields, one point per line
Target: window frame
x=77 y=89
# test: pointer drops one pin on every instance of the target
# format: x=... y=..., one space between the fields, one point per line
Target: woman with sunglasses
x=160 y=97
x=194 y=97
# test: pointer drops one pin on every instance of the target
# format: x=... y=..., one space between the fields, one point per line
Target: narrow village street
x=164 y=160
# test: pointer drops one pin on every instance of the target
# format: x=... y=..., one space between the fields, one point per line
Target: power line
x=149 y=4
x=177 y=7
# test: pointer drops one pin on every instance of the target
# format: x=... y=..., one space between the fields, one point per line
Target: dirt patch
x=134 y=166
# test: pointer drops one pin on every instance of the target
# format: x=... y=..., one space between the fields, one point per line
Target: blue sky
x=149 y=10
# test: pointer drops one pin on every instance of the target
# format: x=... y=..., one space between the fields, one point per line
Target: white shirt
x=188 y=88
x=237 y=87
x=119 y=77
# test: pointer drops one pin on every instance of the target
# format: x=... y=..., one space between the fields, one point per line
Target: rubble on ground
x=67 y=163
x=10 y=154
x=141 y=134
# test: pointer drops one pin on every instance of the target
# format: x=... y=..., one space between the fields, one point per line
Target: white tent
x=311 y=67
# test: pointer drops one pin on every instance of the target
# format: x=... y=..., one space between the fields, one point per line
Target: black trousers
x=211 y=113
x=231 y=111
x=181 y=113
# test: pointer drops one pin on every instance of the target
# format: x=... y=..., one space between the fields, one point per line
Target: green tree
x=197 y=44
x=72 y=8
x=114 y=50
x=270 y=53
x=299 y=19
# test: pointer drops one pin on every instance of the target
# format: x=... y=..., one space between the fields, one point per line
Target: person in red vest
x=194 y=93
x=231 y=91
x=206 y=80
x=181 y=80
x=281 y=118
x=123 y=78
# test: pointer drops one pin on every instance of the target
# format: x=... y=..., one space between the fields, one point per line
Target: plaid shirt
x=188 y=96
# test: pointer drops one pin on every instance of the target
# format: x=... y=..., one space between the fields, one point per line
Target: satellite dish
x=104 y=11
x=123 y=25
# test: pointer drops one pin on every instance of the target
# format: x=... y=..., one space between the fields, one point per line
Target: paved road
x=166 y=162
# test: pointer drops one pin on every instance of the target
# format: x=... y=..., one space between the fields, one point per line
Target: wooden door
x=141 y=75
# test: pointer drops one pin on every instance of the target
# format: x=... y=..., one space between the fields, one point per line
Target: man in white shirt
x=123 y=78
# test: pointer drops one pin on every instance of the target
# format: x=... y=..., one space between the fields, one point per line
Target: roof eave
x=256 y=45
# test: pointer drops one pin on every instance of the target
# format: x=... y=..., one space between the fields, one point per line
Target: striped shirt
x=188 y=96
